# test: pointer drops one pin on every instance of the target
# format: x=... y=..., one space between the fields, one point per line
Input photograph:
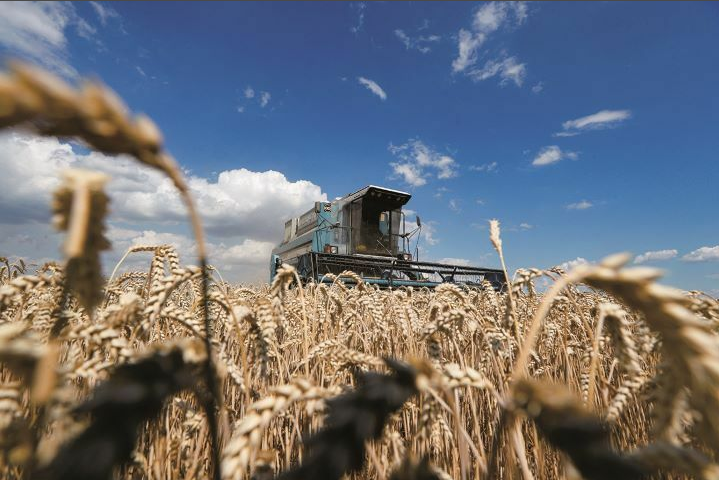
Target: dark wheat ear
x=134 y=393
x=353 y=419
x=566 y=424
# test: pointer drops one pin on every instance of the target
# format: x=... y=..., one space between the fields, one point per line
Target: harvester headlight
x=330 y=248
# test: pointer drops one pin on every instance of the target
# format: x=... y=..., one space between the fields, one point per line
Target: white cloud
x=249 y=252
x=552 y=154
x=420 y=43
x=140 y=71
x=702 y=254
x=597 y=121
x=37 y=31
x=124 y=238
x=489 y=18
x=493 y=15
x=403 y=37
x=538 y=87
x=243 y=260
x=656 y=255
x=583 y=205
x=440 y=192
x=485 y=167
x=468 y=44
x=373 y=87
x=239 y=207
x=241 y=109
x=104 y=13
x=246 y=260
x=261 y=97
x=411 y=174
x=265 y=99
x=428 y=228
x=429 y=231
x=418 y=162
x=525 y=226
x=454 y=205
x=360 y=7
x=507 y=68
x=571 y=264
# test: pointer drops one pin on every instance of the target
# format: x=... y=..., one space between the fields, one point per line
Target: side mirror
x=419 y=222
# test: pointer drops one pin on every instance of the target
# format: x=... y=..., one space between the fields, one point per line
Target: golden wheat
x=426 y=383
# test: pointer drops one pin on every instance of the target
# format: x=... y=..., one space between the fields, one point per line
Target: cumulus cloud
x=37 y=31
x=571 y=264
x=538 y=87
x=597 y=121
x=552 y=154
x=244 y=261
x=410 y=173
x=420 y=43
x=249 y=92
x=373 y=87
x=222 y=254
x=239 y=207
x=703 y=254
x=429 y=232
x=417 y=162
x=249 y=252
x=656 y=255
x=428 y=227
x=488 y=19
x=583 y=205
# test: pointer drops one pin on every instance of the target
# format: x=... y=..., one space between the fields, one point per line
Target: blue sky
x=585 y=128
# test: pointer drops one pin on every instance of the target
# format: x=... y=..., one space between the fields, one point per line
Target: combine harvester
x=365 y=232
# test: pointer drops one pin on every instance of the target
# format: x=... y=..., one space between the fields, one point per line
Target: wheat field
x=173 y=373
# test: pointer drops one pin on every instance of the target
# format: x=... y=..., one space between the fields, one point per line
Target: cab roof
x=394 y=198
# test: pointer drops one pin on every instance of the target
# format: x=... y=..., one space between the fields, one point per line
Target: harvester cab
x=367 y=233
